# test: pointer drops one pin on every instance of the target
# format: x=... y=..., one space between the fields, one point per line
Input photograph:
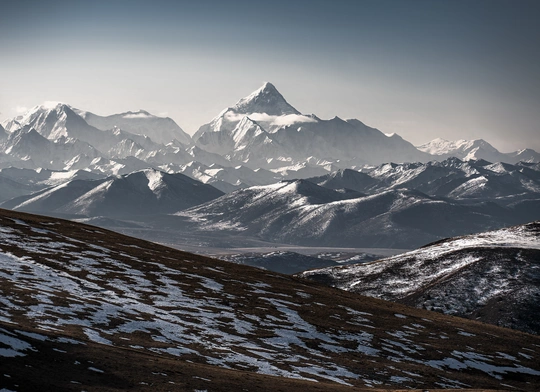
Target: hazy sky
x=424 y=69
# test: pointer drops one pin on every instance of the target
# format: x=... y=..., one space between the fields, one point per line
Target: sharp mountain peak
x=266 y=99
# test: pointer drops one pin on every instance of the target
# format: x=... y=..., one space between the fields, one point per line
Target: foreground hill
x=84 y=308
x=493 y=277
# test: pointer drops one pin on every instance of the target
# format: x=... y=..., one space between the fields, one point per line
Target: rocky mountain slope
x=493 y=277
x=300 y=212
x=82 y=163
x=263 y=128
x=452 y=178
x=160 y=129
x=475 y=149
x=261 y=132
x=139 y=193
x=84 y=308
x=390 y=205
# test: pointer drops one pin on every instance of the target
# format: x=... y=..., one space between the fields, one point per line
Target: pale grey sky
x=423 y=69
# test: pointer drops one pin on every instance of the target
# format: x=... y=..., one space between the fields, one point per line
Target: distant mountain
x=139 y=193
x=279 y=261
x=452 y=178
x=19 y=182
x=525 y=155
x=10 y=188
x=42 y=177
x=346 y=179
x=261 y=132
x=475 y=149
x=54 y=121
x=264 y=126
x=492 y=277
x=56 y=136
x=300 y=212
x=28 y=145
x=160 y=129
x=52 y=136
x=88 y=309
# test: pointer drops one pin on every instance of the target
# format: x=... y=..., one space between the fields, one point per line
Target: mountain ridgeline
x=492 y=277
x=263 y=170
x=261 y=130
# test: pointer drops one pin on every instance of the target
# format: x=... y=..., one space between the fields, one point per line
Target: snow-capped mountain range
x=261 y=130
x=56 y=159
x=303 y=213
x=476 y=149
x=264 y=130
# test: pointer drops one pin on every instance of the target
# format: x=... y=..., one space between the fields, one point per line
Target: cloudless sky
x=422 y=68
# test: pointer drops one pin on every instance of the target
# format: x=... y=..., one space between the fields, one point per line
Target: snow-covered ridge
x=474 y=150
x=280 y=139
x=488 y=276
x=143 y=192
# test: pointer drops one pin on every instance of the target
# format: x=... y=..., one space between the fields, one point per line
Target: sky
x=453 y=69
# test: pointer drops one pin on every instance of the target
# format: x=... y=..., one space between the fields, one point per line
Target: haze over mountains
x=64 y=161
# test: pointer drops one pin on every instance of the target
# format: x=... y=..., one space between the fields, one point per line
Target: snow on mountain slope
x=347 y=143
x=443 y=147
x=300 y=212
x=40 y=179
x=104 y=167
x=11 y=124
x=95 y=304
x=475 y=149
x=264 y=104
x=525 y=155
x=452 y=178
x=267 y=99
x=207 y=158
x=493 y=277
x=28 y=144
x=264 y=126
x=160 y=129
x=57 y=120
x=139 y=193
x=225 y=178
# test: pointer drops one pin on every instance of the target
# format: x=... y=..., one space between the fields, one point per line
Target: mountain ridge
x=261 y=130
x=490 y=276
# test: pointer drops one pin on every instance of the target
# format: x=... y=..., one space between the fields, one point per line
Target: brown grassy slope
x=403 y=349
